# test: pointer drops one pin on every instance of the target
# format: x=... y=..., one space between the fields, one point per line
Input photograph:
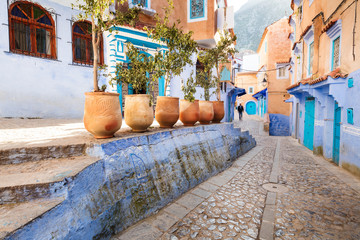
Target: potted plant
x=205 y=79
x=189 y=107
x=180 y=48
x=220 y=54
x=102 y=112
x=138 y=72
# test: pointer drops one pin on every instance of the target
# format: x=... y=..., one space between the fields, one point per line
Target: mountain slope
x=252 y=19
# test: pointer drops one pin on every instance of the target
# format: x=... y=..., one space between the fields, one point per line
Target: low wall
x=135 y=177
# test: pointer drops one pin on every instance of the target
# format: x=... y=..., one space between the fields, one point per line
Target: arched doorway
x=250 y=108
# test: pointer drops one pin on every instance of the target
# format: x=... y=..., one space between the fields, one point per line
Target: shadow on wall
x=279 y=125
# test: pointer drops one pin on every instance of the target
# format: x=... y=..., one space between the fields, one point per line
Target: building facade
x=48 y=57
x=325 y=79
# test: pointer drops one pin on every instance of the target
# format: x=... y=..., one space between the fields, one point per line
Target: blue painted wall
x=279 y=125
x=135 y=177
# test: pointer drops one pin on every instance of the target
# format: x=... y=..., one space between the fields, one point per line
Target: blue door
x=309 y=123
x=336 y=142
x=250 y=108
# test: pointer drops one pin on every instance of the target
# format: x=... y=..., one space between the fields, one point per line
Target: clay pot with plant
x=189 y=107
x=138 y=111
x=179 y=50
x=102 y=112
x=219 y=55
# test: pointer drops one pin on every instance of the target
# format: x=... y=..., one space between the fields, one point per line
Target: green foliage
x=138 y=72
x=189 y=89
x=180 y=45
x=213 y=57
x=101 y=21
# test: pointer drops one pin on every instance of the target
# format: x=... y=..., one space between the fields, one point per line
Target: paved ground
x=278 y=190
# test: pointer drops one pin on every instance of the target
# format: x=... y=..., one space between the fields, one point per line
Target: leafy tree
x=189 y=89
x=214 y=57
x=204 y=76
x=139 y=71
x=101 y=21
x=180 y=45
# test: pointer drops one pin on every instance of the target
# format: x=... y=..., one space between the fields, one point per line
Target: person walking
x=240 y=109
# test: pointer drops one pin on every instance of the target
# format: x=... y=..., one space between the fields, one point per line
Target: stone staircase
x=34 y=180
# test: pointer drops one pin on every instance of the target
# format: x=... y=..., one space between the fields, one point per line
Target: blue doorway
x=250 y=108
x=336 y=142
x=309 y=123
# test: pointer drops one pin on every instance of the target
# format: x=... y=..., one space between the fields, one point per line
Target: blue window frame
x=311 y=57
x=197 y=9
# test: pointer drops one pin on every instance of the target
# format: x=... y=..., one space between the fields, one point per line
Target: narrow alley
x=278 y=190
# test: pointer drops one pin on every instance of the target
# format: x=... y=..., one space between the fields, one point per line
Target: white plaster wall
x=35 y=87
x=175 y=84
x=250 y=63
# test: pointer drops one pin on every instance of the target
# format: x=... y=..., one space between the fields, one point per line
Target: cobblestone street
x=278 y=190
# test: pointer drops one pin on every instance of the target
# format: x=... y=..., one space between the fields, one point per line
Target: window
x=300 y=12
x=251 y=90
x=311 y=58
x=143 y=3
x=336 y=54
x=197 y=9
x=32 y=30
x=82 y=44
x=282 y=70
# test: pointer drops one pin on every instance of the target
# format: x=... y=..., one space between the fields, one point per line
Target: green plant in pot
x=102 y=112
x=205 y=79
x=220 y=54
x=189 y=107
x=180 y=48
x=138 y=73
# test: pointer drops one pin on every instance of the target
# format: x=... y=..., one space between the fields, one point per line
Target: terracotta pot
x=189 y=112
x=219 y=111
x=102 y=114
x=167 y=111
x=138 y=112
x=206 y=112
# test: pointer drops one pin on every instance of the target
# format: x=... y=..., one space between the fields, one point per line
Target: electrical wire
x=270 y=70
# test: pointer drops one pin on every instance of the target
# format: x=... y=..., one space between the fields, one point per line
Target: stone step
x=40 y=179
x=30 y=154
x=17 y=215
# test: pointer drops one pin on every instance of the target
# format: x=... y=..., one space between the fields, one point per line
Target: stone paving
x=315 y=199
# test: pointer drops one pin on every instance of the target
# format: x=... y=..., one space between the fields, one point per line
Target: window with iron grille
x=311 y=58
x=140 y=2
x=82 y=44
x=197 y=9
x=336 y=53
x=32 y=30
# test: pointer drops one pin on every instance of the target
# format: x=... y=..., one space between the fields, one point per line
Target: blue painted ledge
x=135 y=177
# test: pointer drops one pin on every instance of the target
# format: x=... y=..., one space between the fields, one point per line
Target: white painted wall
x=250 y=63
x=35 y=87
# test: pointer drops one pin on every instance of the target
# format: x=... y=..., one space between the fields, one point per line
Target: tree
x=101 y=22
x=180 y=45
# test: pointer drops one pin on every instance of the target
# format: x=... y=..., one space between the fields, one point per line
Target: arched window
x=32 y=30
x=82 y=44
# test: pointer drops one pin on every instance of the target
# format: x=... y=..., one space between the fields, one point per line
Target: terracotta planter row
x=102 y=114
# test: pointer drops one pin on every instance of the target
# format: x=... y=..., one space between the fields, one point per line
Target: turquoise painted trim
x=117 y=56
x=127 y=30
x=350 y=82
x=139 y=42
x=119 y=90
x=203 y=13
x=161 y=86
x=309 y=123
x=225 y=75
x=350 y=116
x=332 y=53
x=336 y=138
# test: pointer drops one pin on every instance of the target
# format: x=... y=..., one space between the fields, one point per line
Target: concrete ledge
x=136 y=177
